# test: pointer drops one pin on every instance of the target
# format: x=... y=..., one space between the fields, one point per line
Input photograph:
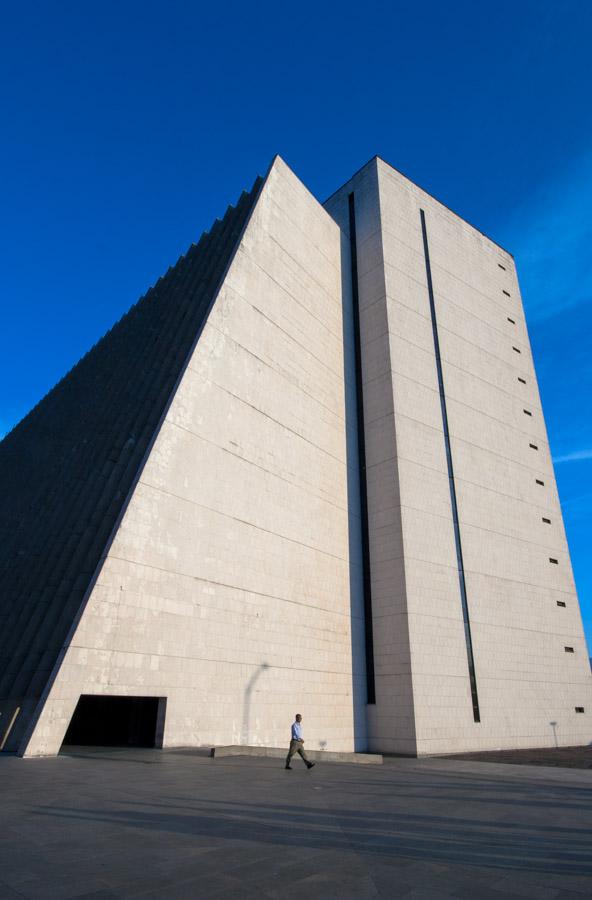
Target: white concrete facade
x=528 y=685
x=233 y=583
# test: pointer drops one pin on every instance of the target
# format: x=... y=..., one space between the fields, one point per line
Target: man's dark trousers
x=296 y=747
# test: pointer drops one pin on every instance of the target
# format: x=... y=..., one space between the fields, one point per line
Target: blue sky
x=128 y=127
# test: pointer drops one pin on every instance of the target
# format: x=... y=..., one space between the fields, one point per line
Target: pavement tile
x=59 y=886
x=524 y=886
x=422 y=893
x=7 y=893
x=468 y=892
x=99 y=895
x=220 y=885
x=572 y=895
x=328 y=887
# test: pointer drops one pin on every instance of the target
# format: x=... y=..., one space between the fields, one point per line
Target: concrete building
x=308 y=471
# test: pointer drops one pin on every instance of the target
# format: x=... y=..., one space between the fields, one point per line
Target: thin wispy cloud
x=551 y=236
x=576 y=456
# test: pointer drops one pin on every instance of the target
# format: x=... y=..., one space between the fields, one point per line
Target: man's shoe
x=289 y=768
x=310 y=765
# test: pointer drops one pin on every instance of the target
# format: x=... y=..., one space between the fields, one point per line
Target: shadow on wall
x=246 y=723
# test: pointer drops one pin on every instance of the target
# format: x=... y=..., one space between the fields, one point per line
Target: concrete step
x=363 y=759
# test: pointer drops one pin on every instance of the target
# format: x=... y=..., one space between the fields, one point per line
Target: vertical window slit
x=457 y=539
x=368 y=628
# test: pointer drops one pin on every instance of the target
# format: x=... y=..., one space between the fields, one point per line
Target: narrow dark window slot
x=511 y=320
x=538 y=481
x=546 y=521
x=522 y=380
x=579 y=709
x=527 y=412
x=533 y=446
x=561 y=603
x=554 y=561
x=502 y=267
x=506 y=293
x=516 y=350
x=569 y=649
x=366 y=576
x=451 y=484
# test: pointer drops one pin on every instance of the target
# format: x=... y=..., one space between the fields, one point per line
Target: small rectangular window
x=511 y=320
x=522 y=380
x=506 y=293
x=569 y=649
x=538 y=481
x=527 y=412
x=561 y=603
x=502 y=267
x=546 y=521
x=516 y=350
x=579 y=709
x=554 y=561
x=533 y=446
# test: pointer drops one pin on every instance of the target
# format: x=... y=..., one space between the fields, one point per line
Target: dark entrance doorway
x=117 y=722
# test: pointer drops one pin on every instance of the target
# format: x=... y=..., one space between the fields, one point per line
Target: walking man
x=297 y=744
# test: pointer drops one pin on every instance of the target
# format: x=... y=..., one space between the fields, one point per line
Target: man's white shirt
x=296 y=731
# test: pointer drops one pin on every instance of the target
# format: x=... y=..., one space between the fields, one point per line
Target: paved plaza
x=105 y=824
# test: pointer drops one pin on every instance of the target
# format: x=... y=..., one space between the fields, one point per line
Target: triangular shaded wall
x=68 y=467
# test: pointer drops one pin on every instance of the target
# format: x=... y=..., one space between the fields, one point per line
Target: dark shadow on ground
x=475 y=842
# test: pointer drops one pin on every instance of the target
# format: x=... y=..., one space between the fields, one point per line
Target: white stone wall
x=227 y=586
x=391 y=723
x=526 y=681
